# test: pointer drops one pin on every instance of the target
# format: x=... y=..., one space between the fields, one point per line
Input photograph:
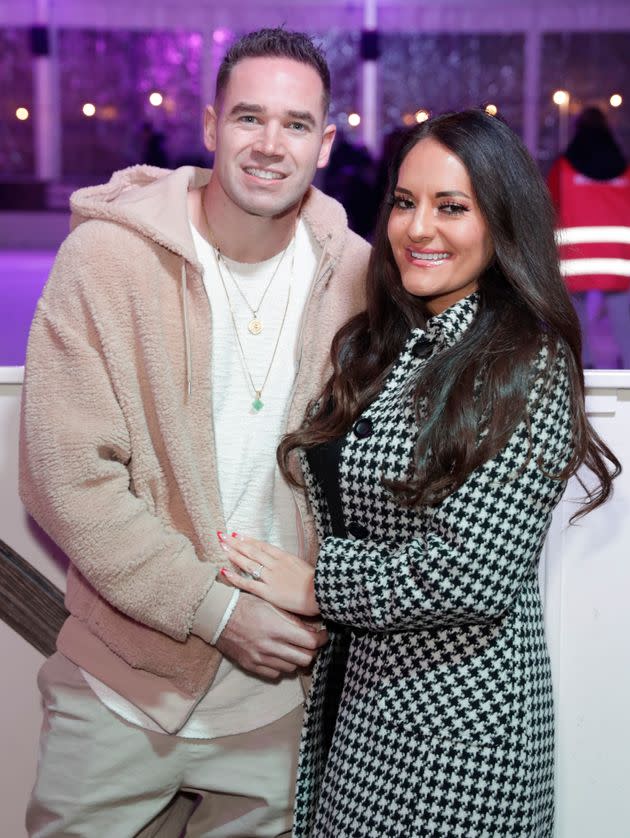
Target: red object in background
x=594 y=225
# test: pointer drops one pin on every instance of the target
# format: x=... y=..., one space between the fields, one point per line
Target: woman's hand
x=274 y=575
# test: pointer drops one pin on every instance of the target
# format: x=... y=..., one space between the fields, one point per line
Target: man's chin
x=271 y=209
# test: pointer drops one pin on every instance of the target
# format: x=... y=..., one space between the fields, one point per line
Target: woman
x=433 y=461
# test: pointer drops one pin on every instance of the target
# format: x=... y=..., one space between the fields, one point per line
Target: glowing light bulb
x=421 y=115
x=88 y=109
x=354 y=120
x=156 y=99
x=22 y=114
x=616 y=100
x=561 y=97
x=492 y=110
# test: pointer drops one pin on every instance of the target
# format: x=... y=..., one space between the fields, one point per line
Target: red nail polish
x=234 y=535
x=220 y=535
x=224 y=571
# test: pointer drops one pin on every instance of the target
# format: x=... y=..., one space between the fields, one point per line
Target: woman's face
x=438 y=236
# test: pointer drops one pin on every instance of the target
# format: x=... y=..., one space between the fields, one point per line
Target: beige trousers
x=100 y=777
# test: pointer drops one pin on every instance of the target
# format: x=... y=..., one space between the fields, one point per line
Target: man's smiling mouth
x=265 y=174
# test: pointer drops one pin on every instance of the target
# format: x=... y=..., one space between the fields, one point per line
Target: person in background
x=153 y=146
x=434 y=458
x=186 y=324
x=349 y=178
x=590 y=187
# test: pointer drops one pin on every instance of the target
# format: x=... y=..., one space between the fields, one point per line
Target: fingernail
x=224 y=571
x=220 y=535
x=236 y=535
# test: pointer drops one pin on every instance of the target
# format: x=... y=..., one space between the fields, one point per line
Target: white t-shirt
x=256 y=499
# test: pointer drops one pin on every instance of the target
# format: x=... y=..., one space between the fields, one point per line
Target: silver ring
x=255 y=574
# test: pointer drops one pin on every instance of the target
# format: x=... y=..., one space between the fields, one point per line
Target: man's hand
x=267 y=641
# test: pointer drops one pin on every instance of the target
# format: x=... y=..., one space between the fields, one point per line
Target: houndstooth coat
x=430 y=712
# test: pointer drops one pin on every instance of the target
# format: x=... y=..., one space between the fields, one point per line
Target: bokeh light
x=491 y=109
x=421 y=115
x=560 y=97
x=221 y=36
x=156 y=99
x=354 y=120
x=616 y=100
x=22 y=114
x=88 y=109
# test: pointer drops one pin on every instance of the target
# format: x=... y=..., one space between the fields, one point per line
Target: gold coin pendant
x=255 y=326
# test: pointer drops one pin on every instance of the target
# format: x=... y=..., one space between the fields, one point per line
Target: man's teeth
x=264 y=173
x=430 y=257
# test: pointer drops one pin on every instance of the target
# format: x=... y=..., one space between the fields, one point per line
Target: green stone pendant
x=257 y=404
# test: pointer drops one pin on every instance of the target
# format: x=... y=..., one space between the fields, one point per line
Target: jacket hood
x=146 y=199
x=153 y=202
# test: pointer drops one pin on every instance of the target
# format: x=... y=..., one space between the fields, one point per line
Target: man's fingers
x=281 y=664
x=266 y=672
x=268 y=641
x=303 y=637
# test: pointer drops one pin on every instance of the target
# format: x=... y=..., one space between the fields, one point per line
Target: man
x=186 y=324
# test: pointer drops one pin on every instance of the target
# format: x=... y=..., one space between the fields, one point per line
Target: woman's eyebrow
x=452 y=193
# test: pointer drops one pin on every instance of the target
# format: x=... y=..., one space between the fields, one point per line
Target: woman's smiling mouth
x=427 y=257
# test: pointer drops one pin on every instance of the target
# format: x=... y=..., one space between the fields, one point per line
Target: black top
x=324 y=461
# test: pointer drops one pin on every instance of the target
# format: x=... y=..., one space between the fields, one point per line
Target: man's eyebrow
x=247 y=107
x=303 y=116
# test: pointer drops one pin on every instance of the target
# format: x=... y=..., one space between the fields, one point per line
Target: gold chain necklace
x=255 y=325
x=258 y=403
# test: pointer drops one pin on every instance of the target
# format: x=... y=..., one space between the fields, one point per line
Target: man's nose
x=269 y=141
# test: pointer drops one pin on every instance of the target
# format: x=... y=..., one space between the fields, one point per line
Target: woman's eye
x=402 y=203
x=453 y=209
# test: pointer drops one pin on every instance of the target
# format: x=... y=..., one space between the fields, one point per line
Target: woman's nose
x=422 y=223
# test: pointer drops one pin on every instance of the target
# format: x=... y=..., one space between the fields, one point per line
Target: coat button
x=363 y=428
x=357 y=530
x=423 y=348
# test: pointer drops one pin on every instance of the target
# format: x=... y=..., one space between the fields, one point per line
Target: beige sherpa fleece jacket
x=117 y=458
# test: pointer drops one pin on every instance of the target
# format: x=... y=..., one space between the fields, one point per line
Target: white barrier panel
x=585 y=576
x=586 y=573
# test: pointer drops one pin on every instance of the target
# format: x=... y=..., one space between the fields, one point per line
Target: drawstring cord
x=186 y=332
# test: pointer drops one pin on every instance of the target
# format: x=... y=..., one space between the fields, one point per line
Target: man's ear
x=327 y=141
x=210 y=128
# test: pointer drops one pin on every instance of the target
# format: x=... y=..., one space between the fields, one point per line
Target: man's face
x=268 y=134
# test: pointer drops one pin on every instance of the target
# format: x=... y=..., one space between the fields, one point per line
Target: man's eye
x=249 y=119
x=297 y=126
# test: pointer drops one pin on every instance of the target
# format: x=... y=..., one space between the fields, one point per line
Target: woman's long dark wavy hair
x=484 y=379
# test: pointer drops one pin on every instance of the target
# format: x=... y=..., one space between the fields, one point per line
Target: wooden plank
x=29 y=603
